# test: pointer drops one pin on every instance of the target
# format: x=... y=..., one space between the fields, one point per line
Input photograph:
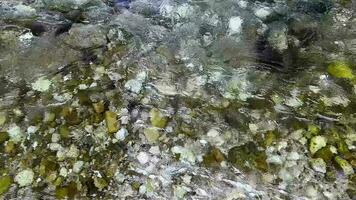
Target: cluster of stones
x=158 y=123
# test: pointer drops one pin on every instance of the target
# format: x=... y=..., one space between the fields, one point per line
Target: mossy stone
x=58 y=181
x=213 y=158
x=317 y=143
x=100 y=183
x=187 y=130
x=340 y=69
x=247 y=157
x=5 y=183
x=111 y=122
x=344 y=165
x=325 y=154
x=84 y=99
x=2 y=118
x=4 y=136
x=99 y=107
x=343 y=148
x=72 y=190
x=135 y=185
x=47 y=166
x=313 y=129
x=70 y=115
x=49 y=117
x=10 y=147
x=64 y=131
x=157 y=118
x=270 y=138
x=152 y=134
x=61 y=192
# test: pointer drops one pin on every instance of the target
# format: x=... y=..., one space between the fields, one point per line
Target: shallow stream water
x=177 y=99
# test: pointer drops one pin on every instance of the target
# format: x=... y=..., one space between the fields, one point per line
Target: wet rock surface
x=172 y=99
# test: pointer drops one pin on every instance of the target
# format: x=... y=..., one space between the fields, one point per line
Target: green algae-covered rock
x=151 y=134
x=100 y=183
x=344 y=165
x=313 y=129
x=4 y=136
x=5 y=183
x=2 y=118
x=317 y=143
x=342 y=148
x=71 y=115
x=213 y=158
x=340 y=70
x=247 y=157
x=61 y=192
x=69 y=191
x=10 y=148
x=111 y=122
x=64 y=132
x=99 y=107
x=324 y=153
x=270 y=138
x=157 y=118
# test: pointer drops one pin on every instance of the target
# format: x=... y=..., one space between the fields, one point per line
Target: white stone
x=180 y=192
x=314 y=89
x=318 y=165
x=15 y=133
x=311 y=192
x=235 y=25
x=24 y=11
x=143 y=158
x=293 y=156
x=213 y=133
x=73 y=152
x=26 y=38
x=242 y=3
x=121 y=134
x=155 y=150
x=133 y=85
x=253 y=127
x=275 y=159
x=166 y=88
x=185 y=154
x=25 y=177
x=77 y=167
x=63 y=172
x=184 y=11
x=41 y=84
x=32 y=129
x=82 y=87
x=55 y=137
x=119 y=177
x=338 y=100
x=55 y=146
x=285 y=175
x=293 y=102
x=262 y=12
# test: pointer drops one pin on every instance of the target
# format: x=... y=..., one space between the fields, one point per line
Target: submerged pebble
x=25 y=177
x=166 y=99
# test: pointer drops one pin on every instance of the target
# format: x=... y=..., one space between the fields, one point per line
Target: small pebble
x=143 y=158
x=77 y=167
x=25 y=177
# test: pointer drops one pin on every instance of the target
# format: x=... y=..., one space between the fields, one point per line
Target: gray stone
x=86 y=36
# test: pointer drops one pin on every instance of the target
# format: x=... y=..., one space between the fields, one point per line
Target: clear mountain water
x=177 y=99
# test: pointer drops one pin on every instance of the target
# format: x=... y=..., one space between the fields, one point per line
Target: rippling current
x=177 y=99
